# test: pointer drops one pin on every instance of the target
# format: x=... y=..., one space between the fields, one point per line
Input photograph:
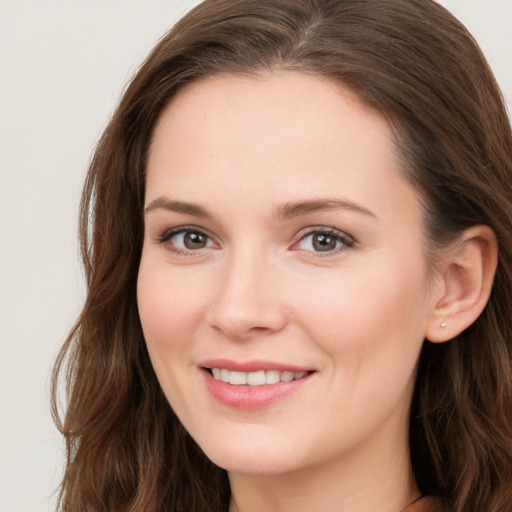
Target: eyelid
x=348 y=241
x=169 y=233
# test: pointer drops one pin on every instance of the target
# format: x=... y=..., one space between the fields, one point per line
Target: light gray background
x=63 y=66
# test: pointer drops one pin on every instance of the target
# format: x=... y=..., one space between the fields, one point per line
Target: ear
x=465 y=279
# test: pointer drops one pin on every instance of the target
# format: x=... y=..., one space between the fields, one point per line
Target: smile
x=254 y=384
x=257 y=378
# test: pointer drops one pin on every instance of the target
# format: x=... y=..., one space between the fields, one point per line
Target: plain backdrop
x=63 y=66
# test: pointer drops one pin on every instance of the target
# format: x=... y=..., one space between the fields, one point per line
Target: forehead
x=269 y=104
x=280 y=135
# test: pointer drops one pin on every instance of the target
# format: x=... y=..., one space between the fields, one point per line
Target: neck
x=375 y=476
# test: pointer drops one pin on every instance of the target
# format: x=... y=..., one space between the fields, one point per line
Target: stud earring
x=443 y=325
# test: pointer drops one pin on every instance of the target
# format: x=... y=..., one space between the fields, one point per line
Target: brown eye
x=194 y=240
x=325 y=241
x=187 y=240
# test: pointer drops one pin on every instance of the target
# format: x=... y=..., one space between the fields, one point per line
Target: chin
x=256 y=463
x=256 y=453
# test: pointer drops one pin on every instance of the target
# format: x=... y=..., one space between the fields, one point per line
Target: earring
x=443 y=325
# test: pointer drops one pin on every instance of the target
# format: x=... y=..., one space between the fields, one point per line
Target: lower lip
x=251 y=397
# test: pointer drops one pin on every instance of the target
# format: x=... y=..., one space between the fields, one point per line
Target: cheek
x=170 y=307
x=379 y=310
x=371 y=326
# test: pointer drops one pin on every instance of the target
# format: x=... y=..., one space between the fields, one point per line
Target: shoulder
x=426 y=504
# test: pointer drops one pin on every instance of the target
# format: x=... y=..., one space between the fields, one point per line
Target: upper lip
x=252 y=366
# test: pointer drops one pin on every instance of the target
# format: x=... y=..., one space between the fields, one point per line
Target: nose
x=248 y=300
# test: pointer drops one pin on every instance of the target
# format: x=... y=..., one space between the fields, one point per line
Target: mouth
x=254 y=384
x=255 y=378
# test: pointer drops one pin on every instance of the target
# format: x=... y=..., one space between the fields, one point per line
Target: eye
x=186 y=240
x=324 y=241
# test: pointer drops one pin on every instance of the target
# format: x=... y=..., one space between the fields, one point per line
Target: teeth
x=238 y=378
x=258 y=378
x=272 y=377
x=286 y=376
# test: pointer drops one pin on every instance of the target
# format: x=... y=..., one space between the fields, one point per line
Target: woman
x=296 y=236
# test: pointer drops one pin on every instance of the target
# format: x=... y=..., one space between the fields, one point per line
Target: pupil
x=324 y=242
x=195 y=241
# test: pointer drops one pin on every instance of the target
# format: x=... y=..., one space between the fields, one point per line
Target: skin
x=242 y=149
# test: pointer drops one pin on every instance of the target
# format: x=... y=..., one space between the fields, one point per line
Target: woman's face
x=282 y=243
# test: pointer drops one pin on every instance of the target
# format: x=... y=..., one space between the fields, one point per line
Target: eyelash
x=167 y=235
x=346 y=241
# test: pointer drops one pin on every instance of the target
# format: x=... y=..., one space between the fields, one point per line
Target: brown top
x=427 y=504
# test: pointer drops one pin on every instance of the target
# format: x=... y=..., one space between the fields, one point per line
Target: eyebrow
x=282 y=212
x=298 y=208
x=178 y=207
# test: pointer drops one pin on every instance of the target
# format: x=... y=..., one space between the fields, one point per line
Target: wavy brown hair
x=419 y=67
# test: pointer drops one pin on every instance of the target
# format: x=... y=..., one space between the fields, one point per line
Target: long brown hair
x=420 y=68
